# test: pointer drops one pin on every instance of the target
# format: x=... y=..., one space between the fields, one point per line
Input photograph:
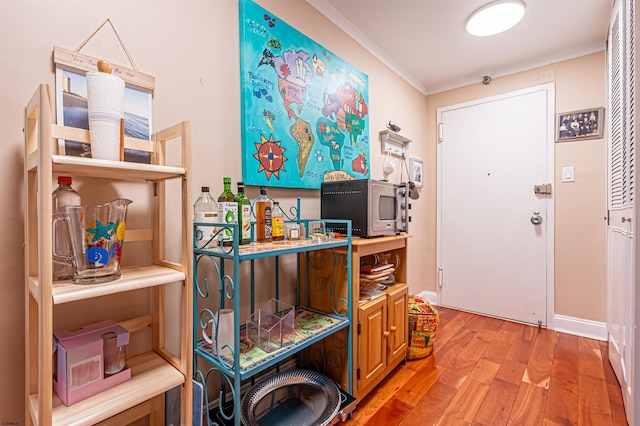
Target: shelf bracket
x=393 y=143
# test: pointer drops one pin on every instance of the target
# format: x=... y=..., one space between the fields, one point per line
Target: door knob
x=536 y=219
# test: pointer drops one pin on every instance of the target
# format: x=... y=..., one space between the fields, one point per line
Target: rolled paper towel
x=105 y=102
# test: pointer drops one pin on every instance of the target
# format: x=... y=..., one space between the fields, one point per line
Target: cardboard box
x=80 y=361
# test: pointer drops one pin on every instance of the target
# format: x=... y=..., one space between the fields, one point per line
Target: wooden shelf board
x=133 y=278
x=367 y=246
x=93 y=167
x=150 y=376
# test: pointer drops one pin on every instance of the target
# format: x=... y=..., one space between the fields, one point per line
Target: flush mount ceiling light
x=495 y=17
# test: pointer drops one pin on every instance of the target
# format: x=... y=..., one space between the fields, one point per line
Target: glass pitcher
x=97 y=238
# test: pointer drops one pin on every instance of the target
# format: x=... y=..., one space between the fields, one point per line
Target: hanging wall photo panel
x=304 y=110
x=71 y=102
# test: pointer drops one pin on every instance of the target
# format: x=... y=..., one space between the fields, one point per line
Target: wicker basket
x=423 y=324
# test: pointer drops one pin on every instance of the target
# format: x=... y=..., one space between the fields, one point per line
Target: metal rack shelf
x=222 y=288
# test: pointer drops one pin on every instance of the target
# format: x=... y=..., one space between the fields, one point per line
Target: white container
x=205 y=209
x=224 y=337
x=105 y=104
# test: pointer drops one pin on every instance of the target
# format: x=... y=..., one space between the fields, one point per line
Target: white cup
x=225 y=332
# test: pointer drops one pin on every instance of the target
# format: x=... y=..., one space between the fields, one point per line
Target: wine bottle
x=227 y=211
x=244 y=215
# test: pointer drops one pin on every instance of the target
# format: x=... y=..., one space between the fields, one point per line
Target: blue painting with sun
x=305 y=116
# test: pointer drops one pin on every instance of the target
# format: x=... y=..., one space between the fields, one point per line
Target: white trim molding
x=581 y=327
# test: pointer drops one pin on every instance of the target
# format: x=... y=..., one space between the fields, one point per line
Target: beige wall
x=579 y=206
x=191 y=47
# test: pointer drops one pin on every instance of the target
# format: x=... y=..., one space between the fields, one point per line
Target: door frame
x=549 y=88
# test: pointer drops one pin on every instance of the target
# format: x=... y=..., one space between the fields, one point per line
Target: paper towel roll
x=105 y=103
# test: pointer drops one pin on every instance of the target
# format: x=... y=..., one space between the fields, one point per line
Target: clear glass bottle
x=63 y=195
x=277 y=222
x=227 y=211
x=205 y=210
x=262 y=207
x=244 y=214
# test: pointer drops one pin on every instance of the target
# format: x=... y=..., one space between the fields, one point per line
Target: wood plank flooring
x=489 y=372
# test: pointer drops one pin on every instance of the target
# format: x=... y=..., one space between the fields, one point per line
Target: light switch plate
x=568 y=174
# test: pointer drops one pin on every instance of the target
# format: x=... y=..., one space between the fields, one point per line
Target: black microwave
x=375 y=208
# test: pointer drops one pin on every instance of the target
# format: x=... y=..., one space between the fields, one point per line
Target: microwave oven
x=375 y=208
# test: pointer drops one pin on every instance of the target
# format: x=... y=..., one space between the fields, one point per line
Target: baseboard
x=430 y=296
x=576 y=326
x=581 y=327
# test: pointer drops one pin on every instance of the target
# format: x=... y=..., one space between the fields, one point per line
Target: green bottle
x=227 y=211
x=244 y=215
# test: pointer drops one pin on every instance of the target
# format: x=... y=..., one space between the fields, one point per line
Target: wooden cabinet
x=380 y=330
x=398 y=301
x=381 y=337
x=372 y=323
x=160 y=360
x=381 y=340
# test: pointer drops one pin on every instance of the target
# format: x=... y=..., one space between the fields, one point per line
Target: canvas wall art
x=304 y=112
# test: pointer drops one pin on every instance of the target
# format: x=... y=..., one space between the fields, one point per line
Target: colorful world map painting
x=305 y=113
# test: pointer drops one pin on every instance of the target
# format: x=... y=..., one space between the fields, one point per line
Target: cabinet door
x=372 y=318
x=398 y=318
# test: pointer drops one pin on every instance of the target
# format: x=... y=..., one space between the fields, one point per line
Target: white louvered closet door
x=621 y=200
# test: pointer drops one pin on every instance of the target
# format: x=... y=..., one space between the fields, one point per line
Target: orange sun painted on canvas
x=271 y=156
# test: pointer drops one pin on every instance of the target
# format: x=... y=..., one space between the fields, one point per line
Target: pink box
x=80 y=361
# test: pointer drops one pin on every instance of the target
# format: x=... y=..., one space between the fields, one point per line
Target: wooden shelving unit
x=380 y=337
x=158 y=369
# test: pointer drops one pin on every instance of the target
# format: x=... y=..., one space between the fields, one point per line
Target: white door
x=621 y=194
x=493 y=259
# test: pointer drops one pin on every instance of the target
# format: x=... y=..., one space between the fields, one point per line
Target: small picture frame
x=579 y=125
x=416 y=170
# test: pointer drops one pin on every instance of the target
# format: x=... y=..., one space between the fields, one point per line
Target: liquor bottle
x=205 y=210
x=63 y=195
x=277 y=222
x=263 y=217
x=244 y=215
x=227 y=211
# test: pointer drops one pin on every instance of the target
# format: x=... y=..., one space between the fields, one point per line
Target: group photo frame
x=580 y=125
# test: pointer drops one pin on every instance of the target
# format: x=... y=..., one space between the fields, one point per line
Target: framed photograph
x=416 y=168
x=579 y=125
x=71 y=103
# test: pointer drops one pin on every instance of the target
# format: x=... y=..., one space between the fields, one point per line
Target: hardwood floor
x=490 y=372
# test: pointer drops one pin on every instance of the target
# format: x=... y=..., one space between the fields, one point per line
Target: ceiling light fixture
x=495 y=17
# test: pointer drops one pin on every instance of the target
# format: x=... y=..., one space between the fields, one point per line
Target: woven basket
x=423 y=324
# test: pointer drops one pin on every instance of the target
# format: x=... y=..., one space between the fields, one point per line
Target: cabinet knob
x=385 y=334
x=394 y=328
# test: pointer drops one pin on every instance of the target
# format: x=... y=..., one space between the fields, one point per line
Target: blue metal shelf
x=221 y=285
x=257 y=360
